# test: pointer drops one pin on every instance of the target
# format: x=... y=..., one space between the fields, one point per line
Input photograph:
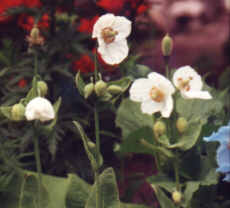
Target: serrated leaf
x=109 y=191
x=130 y=118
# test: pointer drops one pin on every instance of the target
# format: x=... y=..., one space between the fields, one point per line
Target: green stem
x=95 y=67
x=97 y=181
x=38 y=165
x=167 y=70
x=176 y=172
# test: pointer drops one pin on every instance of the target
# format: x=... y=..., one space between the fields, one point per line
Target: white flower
x=189 y=82
x=39 y=109
x=154 y=93
x=111 y=33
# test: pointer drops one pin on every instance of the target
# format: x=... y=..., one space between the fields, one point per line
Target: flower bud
x=114 y=89
x=159 y=128
x=181 y=124
x=91 y=145
x=177 y=196
x=34 y=33
x=18 y=112
x=167 y=45
x=43 y=88
x=100 y=87
x=88 y=90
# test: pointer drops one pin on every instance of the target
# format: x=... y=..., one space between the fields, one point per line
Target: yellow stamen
x=108 y=34
x=156 y=94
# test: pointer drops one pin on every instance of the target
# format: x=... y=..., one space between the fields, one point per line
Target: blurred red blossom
x=22 y=83
x=111 y=5
x=84 y=64
x=86 y=24
x=27 y=22
x=7 y=4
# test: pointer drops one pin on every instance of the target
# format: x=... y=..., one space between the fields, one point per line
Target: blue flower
x=223 y=152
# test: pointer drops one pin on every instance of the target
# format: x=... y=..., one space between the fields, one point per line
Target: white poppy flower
x=111 y=33
x=189 y=82
x=39 y=109
x=154 y=93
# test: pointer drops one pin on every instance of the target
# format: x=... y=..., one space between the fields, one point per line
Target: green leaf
x=109 y=191
x=130 y=118
x=197 y=110
x=191 y=188
x=142 y=141
x=89 y=151
x=80 y=84
x=5 y=111
x=189 y=138
x=162 y=181
x=78 y=192
x=163 y=199
x=29 y=193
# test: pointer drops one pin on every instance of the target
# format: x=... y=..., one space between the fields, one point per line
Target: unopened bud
x=167 y=45
x=114 y=89
x=88 y=90
x=181 y=124
x=159 y=128
x=91 y=145
x=43 y=88
x=100 y=87
x=18 y=112
x=34 y=33
x=177 y=196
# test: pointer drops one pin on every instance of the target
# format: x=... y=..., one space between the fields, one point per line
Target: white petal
x=168 y=107
x=123 y=26
x=185 y=73
x=162 y=83
x=151 y=107
x=196 y=94
x=104 y=21
x=39 y=109
x=115 y=52
x=140 y=89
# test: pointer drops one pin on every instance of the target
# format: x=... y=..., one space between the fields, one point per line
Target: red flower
x=32 y=3
x=113 y=6
x=22 y=83
x=86 y=25
x=27 y=22
x=5 y=5
x=84 y=64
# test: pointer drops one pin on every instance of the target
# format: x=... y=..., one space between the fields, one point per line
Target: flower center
x=156 y=94
x=184 y=83
x=108 y=34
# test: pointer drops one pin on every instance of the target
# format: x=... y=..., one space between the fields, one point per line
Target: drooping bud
x=18 y=112
x=88 y=90
x=181 y=124
x=34 y=33
x=91 y=145
x=35 y=38
x=177 y=197
x=159 y=128
x=114 y=89
x=166 y=45
x=100 y=87
x=43 y=88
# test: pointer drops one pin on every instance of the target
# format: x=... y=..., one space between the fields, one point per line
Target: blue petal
x=227 y=177
x=223 y=135
x=223 y=155
x=225 y=168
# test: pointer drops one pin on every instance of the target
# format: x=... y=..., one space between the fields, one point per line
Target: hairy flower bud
x=177 y=196
x=167 y=45
x=100 y=87
x=43 y=88
x=159 y=128
x=114 y=89
x=17 y=112
x=88 y=90
x=34 y=33
x=181 y=124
